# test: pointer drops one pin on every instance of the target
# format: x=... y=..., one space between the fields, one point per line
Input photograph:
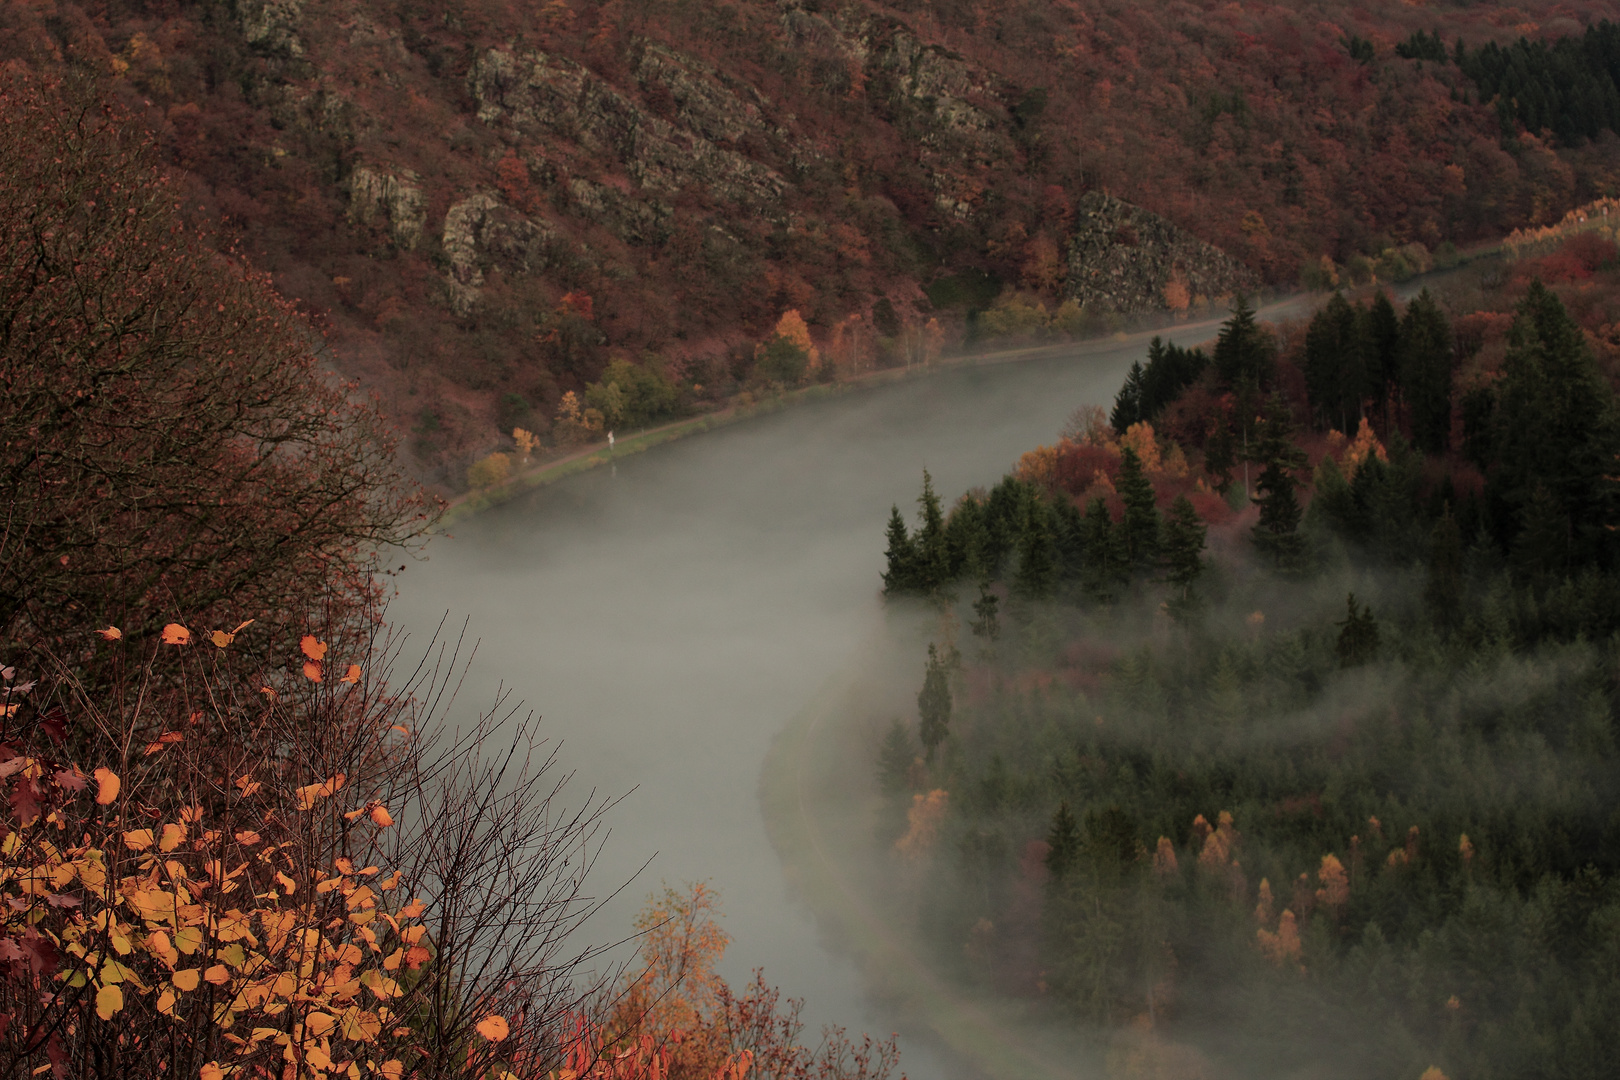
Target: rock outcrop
x=1125 y=259
x=544 y=96
x=376 y=196
x=480 y=232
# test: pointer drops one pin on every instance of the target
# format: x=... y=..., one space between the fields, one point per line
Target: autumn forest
x=1265 y=715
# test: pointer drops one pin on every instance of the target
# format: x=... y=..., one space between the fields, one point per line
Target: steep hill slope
x=486 y=201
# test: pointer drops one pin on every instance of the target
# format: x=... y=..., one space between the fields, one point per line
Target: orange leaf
x=353 y=674
x=173 y=837
x=164 y=740
x=221 y=639
x=112 y=633
x=138 y=839
x=175 y=634
x=186 y=980
x=267 y=692
x=219 y=975
x=107 y=785
x=315 y=650
x=493 y=1028
x=413 y=909
x=380 y=816
x=211 y=1071
x=241 y=627
x=312 y=671
x=247 y=785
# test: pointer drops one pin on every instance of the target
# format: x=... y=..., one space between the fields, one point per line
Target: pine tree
x=1037 y=554
x=1335 y=364
x=1104 y=568
x=1358 y=635
x=901 y=576
x=1442 y=592
x=895 y=758
x=1182 y=553
x=1244 y=351
x=986 y=623
x=1277 y=533
x=1381 y=337
x=1128 y=403
x=934 y=704
x=1062 y=842
x=1425 y=370
x=932 y=559
x=1541 y=549
x=1139 y=531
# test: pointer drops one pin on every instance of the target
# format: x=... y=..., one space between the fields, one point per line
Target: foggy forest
x=809 y=539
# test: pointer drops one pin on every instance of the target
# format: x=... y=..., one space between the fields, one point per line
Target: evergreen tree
x=1381 y=338
x=965 y=540
x=934 y=704
x=1555 y=425
x=894 y=759
x=1128 y=402
x=1062 y=842
x=1443 y=591
x=1335 y=365
x=932 y=559
x=1104 y=564
x=1243 y=350
x=1069 y=528
x=1358 y=635
x=1139 y=532
x=901 y=576
x=1425 y=369
x=1182 y=553
x=1541 y=549
x=1219 y=456
x=1037 y=554
x=986 y=622
x=1170 y=370
x=1277 y=533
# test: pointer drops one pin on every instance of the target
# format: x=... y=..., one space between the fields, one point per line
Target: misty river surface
x=670 y=616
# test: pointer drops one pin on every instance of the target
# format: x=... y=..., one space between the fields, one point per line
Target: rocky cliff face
x=1125 y=259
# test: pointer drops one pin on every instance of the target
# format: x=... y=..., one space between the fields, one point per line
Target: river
x=668 y=616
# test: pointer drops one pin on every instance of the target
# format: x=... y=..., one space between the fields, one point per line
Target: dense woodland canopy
x=1313 y=769
x=488 y=203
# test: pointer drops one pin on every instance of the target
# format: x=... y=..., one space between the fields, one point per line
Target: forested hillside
x=1284 y=733
x=487 y=203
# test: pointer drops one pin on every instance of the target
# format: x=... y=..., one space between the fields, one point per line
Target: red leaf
x=23 y=801
x=54 y=724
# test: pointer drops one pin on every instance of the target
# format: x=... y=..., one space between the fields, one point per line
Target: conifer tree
x=1335 y=364
x=895 y=758
x=1062 y=842
x=1037 y=554
x=1358 y=635
x=1128 y=402
x=934 y=704
x=986 y=622
x=1277 y=533
x=1104 y=568
x=901 y=576
x=1381 y=337
x=1442 y=592
x=1139 y=531
x=1182 y=553
x=1243 y=351
x=932 y=560
x=1425 y=366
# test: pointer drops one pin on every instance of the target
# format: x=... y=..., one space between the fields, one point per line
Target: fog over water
x=669 y=617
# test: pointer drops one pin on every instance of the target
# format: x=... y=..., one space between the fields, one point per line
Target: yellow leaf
x=218 y=975
x=351 y=676
x=189 y=940
x=138 y=839
x=112 y=633
x=109 y=1000
x=107 y=785
x=310 y=794
x=212 y=1071
x=186 y=980
x=319 y=1024
x=315 y=650
x=221 y=639
x=380 y=816
x=233 y=955
x=175 y=634
x=159 y=945
x=165 y=1002
x=288 y=885
x=493 y=1028
x=392 y=1069
x=173 y=836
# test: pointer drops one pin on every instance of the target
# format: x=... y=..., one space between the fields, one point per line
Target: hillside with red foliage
x=431 y=181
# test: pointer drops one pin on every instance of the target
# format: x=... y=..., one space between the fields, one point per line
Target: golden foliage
x=1164 y=859
x=576 y=423
x=1283 y=945
x=923 y=820
x=526 y=442
x=489 y=472
x=1365 y=444
x=1335 y=890
x=1039 y=466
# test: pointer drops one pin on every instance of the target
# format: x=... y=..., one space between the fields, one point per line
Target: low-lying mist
x=669 y=616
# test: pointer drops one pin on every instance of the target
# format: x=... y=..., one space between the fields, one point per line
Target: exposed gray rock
x=375 y=196
x=480 y=232
x=547 y=96
x=702 y=104
x=1122 y=258
x=636 y=221
x=270 y=25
